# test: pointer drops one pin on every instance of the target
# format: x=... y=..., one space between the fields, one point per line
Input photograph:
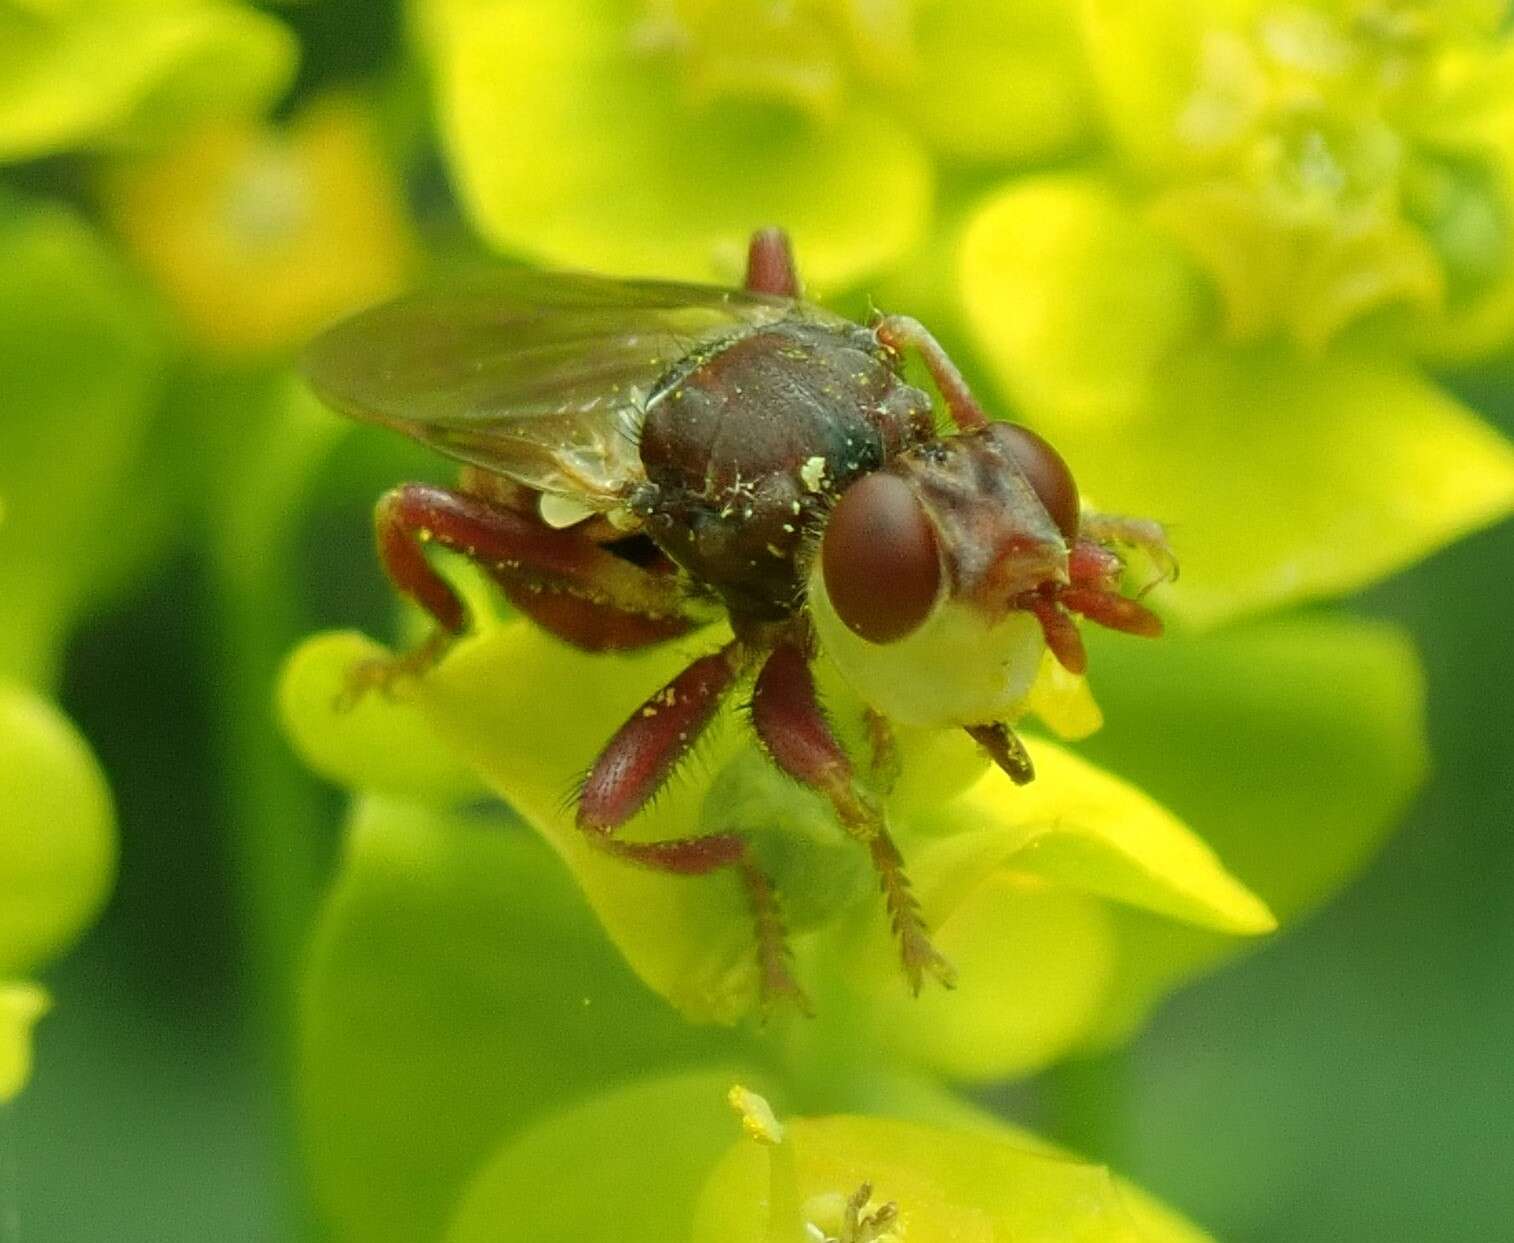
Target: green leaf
x=1283 y=475
x=57 y=832
x=94 y=73
x=1292 y=746
x=458 y=991
x=81 y=362
x=57 y=859
x=492 y=705
x=981 y=852
x=639 y=1157
x=948 y=1184
x=998 y=82
x=573 y=146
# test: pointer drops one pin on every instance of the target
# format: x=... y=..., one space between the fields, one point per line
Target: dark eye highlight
x=879 y=558
x=1047 y=473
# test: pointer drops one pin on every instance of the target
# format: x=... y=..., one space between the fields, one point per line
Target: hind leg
x=568 y=583
x=635 y=764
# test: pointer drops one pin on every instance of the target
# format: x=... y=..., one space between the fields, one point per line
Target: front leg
x=569 y=584
x=1094 y=571
x=789 y=721
x=899 y=333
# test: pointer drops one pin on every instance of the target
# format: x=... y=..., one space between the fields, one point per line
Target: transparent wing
x=540 y=376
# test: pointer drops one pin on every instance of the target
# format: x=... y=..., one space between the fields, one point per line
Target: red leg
x=1095 y=570
x=646 y=749
x=1006 y=750
x=633 y=767
x=770 y=264
x=1093 y=590
x=517 y=552
x=1113 y=610
x=900 y=333
x=787 y=716
x=583 y=593
x=1058 y=629
x=698 y=856
x=1143 y=533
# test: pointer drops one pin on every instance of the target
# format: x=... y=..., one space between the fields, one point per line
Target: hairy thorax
x=746 y=449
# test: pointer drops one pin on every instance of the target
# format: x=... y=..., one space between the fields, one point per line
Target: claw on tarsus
x=1006 y=750
x=384 y=674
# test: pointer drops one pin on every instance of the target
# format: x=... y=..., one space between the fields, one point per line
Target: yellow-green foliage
x=1219 y=253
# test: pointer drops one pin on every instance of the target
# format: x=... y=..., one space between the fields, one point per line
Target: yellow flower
x=651 y=137
x=259 y=236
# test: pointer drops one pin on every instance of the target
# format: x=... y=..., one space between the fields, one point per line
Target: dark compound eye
x=882 y=570
x=1047 y=472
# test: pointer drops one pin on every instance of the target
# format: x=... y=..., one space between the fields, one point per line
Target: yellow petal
x=1088 y=830
x=1293 y=745
x=1016 y=884
x=1063 y=701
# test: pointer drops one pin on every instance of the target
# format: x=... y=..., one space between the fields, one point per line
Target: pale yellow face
x=958 y=668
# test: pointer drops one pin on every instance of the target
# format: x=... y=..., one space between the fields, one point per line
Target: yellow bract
x=1076 y=829
x=1323 y=164
x=1283 y=474
x=962 y=1184
x=1075 y=303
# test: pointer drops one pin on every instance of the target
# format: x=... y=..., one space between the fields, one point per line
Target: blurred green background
x=1347 y=1079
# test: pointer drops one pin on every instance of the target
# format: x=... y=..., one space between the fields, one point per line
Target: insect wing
x=539 y=376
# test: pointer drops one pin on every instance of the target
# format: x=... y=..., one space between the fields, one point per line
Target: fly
x=636 y=451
